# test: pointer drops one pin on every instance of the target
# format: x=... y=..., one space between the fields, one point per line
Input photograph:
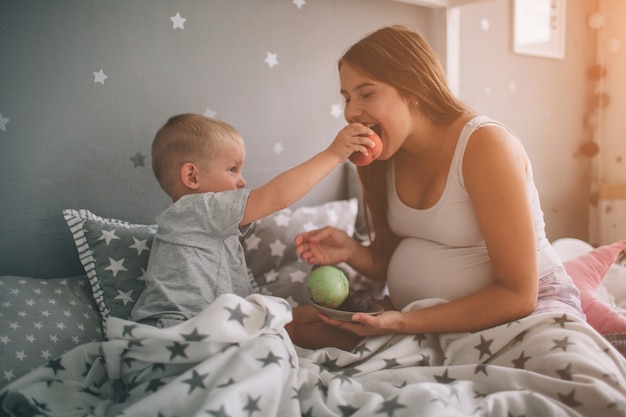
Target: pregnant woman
x=454 y=210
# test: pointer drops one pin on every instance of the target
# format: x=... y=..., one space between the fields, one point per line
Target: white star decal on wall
x=138 y=160
x=99 y=77
x=278 y=148
x=299 y=3
x=210 y=113
x=3 y=122
x=271 y=59
x=178 y=21
x=336 y=110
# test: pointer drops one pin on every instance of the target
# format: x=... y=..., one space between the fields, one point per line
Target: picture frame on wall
x=539 y=28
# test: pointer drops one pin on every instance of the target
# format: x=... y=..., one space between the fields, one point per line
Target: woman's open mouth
x=375 y=127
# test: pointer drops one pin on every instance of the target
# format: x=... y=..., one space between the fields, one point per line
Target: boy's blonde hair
x=186 y=138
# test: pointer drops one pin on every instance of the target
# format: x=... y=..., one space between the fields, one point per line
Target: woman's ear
x=189 y=176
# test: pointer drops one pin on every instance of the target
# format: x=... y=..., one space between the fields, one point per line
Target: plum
x=359 y=300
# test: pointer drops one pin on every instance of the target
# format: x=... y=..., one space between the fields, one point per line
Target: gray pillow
x=114 y=254
x=271 y=253
x=40 y=319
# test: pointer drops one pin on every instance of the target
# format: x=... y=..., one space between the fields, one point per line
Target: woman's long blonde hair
x=401 y=58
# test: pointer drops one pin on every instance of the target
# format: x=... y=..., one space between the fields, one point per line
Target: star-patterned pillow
x=41 y=319
x=114 y=254
x=270 y=250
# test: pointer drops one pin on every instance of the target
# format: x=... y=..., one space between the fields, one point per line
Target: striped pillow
x=114 y=254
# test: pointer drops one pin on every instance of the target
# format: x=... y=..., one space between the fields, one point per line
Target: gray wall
x=69 y=140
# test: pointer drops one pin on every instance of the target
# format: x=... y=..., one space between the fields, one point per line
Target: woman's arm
x=330 y=246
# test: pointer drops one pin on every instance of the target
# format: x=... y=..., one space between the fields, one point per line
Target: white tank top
x=443 y=252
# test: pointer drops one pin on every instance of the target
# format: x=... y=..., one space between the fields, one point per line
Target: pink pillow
x=587 y=271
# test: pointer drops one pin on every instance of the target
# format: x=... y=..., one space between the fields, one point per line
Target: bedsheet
x=235 y=359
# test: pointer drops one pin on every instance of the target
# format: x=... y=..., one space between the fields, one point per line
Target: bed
x=67 y=348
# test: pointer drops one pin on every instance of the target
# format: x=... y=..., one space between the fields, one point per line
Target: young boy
x=196 y=253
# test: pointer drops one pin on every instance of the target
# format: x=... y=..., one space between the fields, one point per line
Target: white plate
x=345 y=315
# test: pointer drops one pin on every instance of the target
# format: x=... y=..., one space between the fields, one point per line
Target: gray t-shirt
x=196 y=256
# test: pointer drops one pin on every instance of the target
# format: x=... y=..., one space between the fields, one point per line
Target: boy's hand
x=350 y=139
x=360 y=159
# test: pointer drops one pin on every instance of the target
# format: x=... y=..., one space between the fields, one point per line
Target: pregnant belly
x=422 y=269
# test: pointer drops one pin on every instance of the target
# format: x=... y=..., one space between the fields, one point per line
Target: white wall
x=543 y=100
x=613 y=134
x=608 y=211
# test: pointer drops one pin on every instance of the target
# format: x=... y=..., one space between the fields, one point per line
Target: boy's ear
x=189 y=175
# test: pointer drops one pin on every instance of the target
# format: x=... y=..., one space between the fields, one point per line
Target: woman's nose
x=351 y=112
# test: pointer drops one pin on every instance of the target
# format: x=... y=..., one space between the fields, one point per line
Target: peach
x=358 y=158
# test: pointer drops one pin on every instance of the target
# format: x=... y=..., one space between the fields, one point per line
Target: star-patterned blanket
x=235 y=359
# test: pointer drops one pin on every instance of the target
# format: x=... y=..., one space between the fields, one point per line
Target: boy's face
x=223 y=171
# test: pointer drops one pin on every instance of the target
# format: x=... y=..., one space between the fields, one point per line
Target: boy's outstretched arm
x=291 y=185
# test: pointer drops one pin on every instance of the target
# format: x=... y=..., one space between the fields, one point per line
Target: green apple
x=328 y=285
